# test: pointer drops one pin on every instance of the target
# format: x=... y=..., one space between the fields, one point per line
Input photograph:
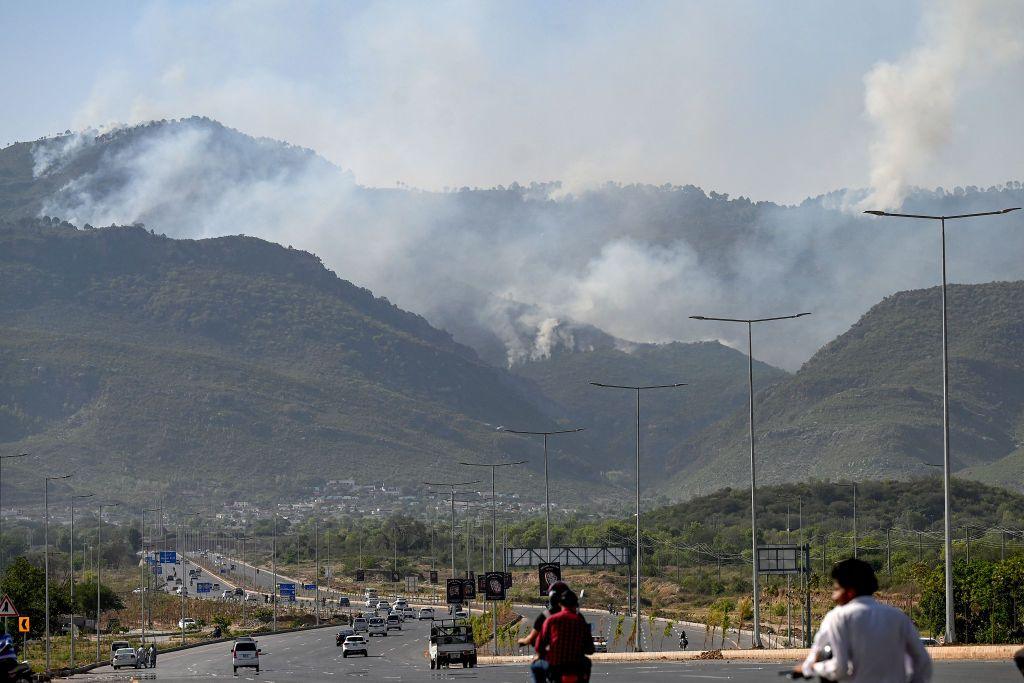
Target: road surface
x=312 y=656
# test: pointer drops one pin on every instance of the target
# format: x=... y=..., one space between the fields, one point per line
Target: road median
x=939 y=654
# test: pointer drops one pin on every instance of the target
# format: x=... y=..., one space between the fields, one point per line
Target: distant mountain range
x=184 y=365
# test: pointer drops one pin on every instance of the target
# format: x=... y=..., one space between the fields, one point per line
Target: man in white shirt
x=871 y=642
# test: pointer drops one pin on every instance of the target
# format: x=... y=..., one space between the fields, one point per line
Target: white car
x=408 y=612
x=124 y=656
x=427 y=613
x=372 y=603
x=354 y=645
x=359 y=625
x=384 y=606
x=187 y=623
x=245 y=653
x=377 y=627
x=461 y=614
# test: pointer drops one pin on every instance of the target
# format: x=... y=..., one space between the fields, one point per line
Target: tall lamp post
x=2 y=553
x=72 y=567
x=453 y=486
x=494 y=528
x=749 y=322
x=638 y=389
x=547 y=489
x=182 y=548
x=46 y=557
x=145 y=568
x=947 y=522
x=99 y=564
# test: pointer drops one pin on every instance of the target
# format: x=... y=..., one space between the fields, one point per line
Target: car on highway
x=354 y=645
x=600 y=644
x=408 y=612
x=239 y=592
x=376 y=626
x=384 y=606
x=461 y=614
x=397 y=613
x=451 y=643
x=344 y=602
x=372 y=603
x=227 y=595
x=426 y=613
x=245 y=654
x=929 y=642
x=394 y=622
x=124 y=656
x=344 y=633
x=187 y=623
x=359 y=624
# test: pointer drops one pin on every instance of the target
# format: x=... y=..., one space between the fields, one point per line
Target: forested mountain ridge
x=128 y=352
x=868 y=405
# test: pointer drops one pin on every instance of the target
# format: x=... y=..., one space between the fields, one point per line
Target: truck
x=451 y=642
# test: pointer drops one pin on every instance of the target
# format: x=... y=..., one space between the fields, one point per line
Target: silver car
x=124 y=656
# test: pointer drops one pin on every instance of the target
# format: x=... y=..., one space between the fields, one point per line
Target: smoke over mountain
x=520 y=272
x=912 y=102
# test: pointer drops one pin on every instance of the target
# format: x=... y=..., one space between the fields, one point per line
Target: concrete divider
x=939 y=654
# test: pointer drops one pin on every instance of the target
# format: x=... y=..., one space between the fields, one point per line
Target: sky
x=771 y=100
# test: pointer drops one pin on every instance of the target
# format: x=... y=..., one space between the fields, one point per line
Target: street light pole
x=547 y=488
x=749 y=322
x=638 y=389
x=947 y=522
x=46 y=557
x=854 y=485
x=274 y=564
x=72 y=567
x=99 y=564
x=494 y=531
x=453 y=486
x=145 y=567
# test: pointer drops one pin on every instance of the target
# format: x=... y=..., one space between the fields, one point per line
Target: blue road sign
x=159 y=569
x=168 y=557
x=204 y=587
x=150 y=559
x=286 y=588
x=309 y=586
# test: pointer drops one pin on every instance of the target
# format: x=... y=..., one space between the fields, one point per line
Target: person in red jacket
x=565 y=640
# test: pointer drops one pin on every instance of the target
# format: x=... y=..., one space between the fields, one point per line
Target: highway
x=309 y=656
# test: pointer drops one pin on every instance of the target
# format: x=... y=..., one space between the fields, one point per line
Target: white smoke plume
x=912 y=102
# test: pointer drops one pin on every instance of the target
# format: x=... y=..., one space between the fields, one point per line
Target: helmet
x=555 y=592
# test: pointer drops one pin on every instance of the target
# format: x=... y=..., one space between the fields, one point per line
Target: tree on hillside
x=25 y=583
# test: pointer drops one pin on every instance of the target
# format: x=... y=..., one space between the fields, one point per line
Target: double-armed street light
x=72 y=567
x=638 y=389
x=749 y=322
x=46 y=557
x=950 y=635
x=145 y=569
x=547 y=488
x=453 y=486
x=99 y=564
x=494 y=527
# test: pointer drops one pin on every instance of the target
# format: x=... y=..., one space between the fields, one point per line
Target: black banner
x=433 y=576
x=468 y=589
x=508 y=580
x=453 y=592
x=494 y=586
x=360 y=575
x=481 y=583
x=547 y=574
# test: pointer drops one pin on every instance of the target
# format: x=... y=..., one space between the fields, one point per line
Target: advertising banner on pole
x=453 y=592
x=494 y=586
x=547 y=574
x=433 y=576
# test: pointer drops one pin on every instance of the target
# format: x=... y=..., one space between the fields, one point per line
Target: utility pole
x=274 y=563
x=72 y=568
x=756 y=638
x=316 y=553
x=145 y=569
x=946 y=470
x=888 y=554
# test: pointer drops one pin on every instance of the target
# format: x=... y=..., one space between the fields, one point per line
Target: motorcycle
x=824 y=654
x=19 y=673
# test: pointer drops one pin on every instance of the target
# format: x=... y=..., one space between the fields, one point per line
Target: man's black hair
x=857 y=575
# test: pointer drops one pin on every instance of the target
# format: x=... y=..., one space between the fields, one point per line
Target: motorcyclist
x=8 y=653
x=869 y=641
x=539 y=667
x=564 y=642
x=683 y=642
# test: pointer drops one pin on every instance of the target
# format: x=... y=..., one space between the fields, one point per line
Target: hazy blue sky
x=768 y=99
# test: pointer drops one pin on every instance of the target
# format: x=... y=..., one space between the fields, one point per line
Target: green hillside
x=218 y=365
x=716 y=379
x=868 y=405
